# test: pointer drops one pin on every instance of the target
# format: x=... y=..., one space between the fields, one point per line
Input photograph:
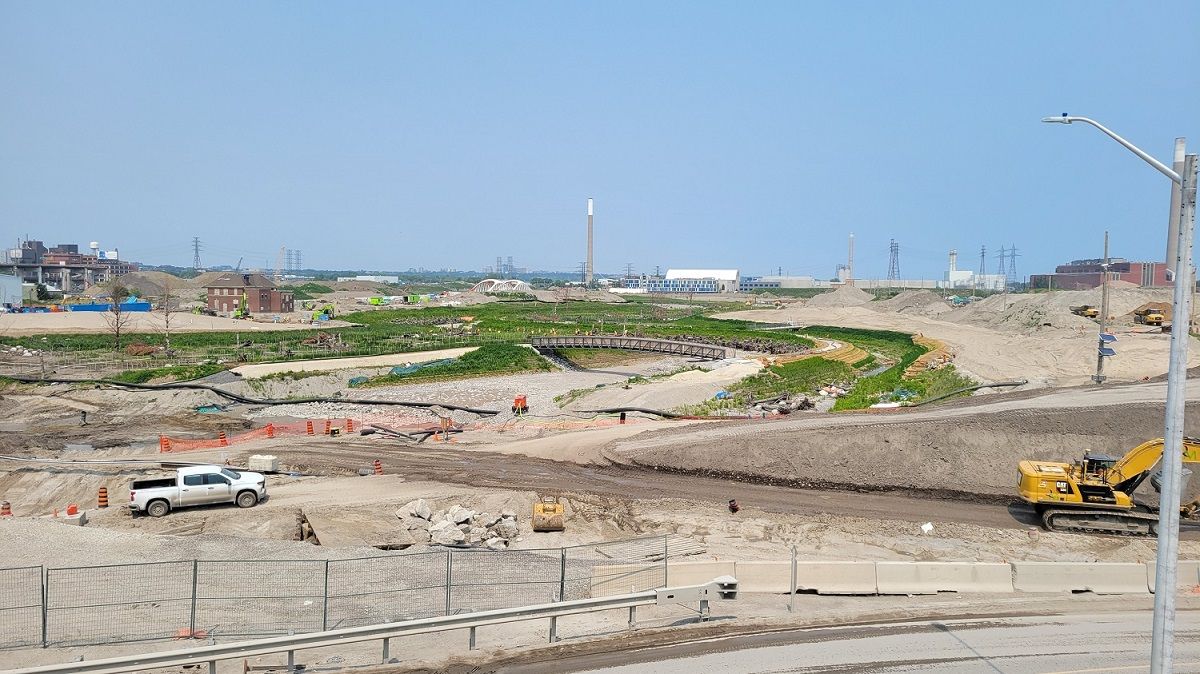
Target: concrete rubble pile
x=458 y=526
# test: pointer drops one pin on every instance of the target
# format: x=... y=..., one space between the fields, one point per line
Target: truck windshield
x=231 y=474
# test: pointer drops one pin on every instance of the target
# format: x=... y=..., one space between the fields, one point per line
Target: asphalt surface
x=1075 y=644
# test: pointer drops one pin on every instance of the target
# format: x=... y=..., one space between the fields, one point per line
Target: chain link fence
x=201 y=599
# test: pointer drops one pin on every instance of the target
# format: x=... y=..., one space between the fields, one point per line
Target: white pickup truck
x=196 y=485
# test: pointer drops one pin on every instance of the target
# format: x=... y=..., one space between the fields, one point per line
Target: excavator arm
x=1139 y=460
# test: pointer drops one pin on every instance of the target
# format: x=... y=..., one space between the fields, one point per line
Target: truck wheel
x=247 y=499
x=158 y=508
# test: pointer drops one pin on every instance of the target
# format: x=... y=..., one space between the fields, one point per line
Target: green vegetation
x=293 y=375
x=487 y=360
x=310 y=290
x=597 y=358
x=801 y=376
x=173 y=372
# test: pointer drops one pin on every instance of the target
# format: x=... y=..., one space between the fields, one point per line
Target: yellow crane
x=1095 y=494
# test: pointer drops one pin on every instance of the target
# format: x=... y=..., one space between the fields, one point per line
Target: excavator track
x=1111 y=522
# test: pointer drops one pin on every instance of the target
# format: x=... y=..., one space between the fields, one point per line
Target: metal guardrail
x=718 y=588
x=630 y=344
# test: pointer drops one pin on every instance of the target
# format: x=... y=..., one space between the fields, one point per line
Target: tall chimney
x=850 y=263
x=587 y=272
x=953 y=260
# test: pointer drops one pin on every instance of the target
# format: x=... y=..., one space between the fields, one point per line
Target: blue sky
x=750 y=135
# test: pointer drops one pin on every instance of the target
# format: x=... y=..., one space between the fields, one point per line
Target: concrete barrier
x=1187 y=576
x=934 y=577
x=836 y=577
x=1098 y=577
x=697 y=573
x=772 y=577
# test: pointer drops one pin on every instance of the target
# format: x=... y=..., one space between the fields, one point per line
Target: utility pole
x=196 y=254
x=1100 y=347
x=1162 y=637
x=982 y=269
x=850 y=262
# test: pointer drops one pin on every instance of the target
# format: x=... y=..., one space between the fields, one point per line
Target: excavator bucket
x=549 y=515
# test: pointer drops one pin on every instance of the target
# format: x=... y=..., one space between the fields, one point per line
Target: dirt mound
x=911 y=300
x=1036 y=311
x=202 y=280
x=145 y=284
x=846 y=296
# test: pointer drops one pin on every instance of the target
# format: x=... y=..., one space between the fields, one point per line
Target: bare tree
x=117 y=317
x=168 y=306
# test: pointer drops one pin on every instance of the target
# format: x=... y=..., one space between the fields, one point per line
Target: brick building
x=262 y=295
x=1085 y=274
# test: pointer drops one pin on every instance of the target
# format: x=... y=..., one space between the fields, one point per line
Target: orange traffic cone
x=378 y=467
x=270 y=430
x=328 y=425
x=308 y=427
x=164 y=443
x=349 y=425
x=224 y=440
x=103 y=498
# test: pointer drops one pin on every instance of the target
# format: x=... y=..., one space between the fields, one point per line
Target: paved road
x=1077 y=644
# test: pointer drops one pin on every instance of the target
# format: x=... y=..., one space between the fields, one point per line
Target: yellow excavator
x=1095 y=494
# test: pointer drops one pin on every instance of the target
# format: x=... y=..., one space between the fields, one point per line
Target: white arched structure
x=491 y=285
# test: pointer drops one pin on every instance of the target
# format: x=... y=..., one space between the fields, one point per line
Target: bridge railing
x=666 y=346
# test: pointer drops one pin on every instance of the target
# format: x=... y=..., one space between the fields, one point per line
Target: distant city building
x=394 y=280
x=262 y=296
x=1085 y=274
x=63 y=266
x=688 y=281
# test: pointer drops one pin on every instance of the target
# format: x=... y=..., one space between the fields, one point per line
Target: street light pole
x=1163 y=637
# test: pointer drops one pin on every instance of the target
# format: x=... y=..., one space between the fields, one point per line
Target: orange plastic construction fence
x=223 y=439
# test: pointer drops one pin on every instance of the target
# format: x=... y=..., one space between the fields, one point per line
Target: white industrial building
x=688 y=281
x=394 y=280
x=10 y=291
x=752 y=283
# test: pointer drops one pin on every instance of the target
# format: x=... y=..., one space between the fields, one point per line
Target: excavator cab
x=1096 y=466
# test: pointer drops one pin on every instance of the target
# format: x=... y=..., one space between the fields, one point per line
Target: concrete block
x=264 y=463
x=76 y=520
x=934 y=577
x=1098 y=577
x=1187 y=575
x=764 y=576
x=836 y=577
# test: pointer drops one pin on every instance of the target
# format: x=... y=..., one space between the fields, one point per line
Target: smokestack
x=850 y=263
x=587 y=272
x=953 y=260
x=1176 y=204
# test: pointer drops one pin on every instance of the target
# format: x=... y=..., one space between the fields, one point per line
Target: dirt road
x=481 y=469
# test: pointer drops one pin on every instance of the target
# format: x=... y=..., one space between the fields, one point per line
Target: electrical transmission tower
x=893 y=261
x=196 y=253
x=982 y=266
x=628 y=270
x=1012 y=263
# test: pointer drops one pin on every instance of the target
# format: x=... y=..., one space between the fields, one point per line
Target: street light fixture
x=1163 y=637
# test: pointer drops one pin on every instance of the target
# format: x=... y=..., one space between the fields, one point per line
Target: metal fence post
x=792 y=588
x=195 y=583
x=449 y=577
x=666 y=554
x=44 y=578
x=562 y=576
x=325 y=607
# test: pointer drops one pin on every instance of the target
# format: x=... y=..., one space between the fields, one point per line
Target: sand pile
x=146 y=284
x=1033 y=312
x=921 y=302
x=846 y=296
